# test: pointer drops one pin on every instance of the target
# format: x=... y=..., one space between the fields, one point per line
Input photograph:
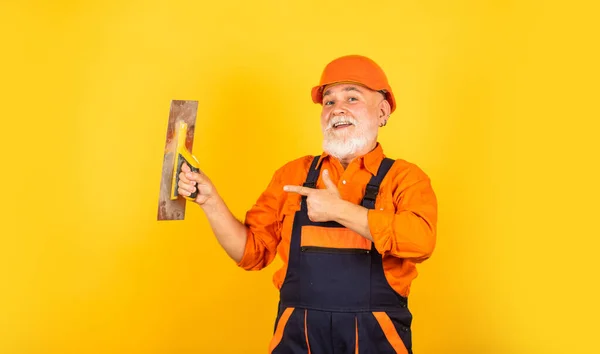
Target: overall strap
x=311 y=178
x=372 y=189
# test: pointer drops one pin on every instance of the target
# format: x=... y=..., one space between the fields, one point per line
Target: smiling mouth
x=341 y=125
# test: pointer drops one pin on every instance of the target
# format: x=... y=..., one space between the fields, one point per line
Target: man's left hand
x=322 y=204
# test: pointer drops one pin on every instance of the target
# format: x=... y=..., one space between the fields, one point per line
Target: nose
x=338 y=109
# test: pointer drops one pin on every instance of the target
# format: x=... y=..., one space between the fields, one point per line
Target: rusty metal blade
x=180 y=110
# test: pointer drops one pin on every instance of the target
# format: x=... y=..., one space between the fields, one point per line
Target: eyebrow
x=349 y=88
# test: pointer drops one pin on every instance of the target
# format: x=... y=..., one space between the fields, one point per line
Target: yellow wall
x=497 y=102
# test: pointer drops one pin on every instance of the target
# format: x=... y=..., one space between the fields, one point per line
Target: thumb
x=327 y=180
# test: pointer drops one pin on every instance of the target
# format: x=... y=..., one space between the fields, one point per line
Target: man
x=350 y=225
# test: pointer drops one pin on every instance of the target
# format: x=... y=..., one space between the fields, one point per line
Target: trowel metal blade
x=180 y=110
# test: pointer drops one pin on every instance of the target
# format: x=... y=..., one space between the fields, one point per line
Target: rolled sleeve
x=410 y=230
x=260 y=250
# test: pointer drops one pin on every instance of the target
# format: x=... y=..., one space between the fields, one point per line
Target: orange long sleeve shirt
x=403 y=223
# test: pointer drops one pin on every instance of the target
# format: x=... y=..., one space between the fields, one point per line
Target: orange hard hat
x=354 y=69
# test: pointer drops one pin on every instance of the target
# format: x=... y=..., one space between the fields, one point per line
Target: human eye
x=327 y=102
x=352 y=99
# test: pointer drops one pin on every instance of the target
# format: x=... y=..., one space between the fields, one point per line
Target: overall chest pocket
x=336 y=268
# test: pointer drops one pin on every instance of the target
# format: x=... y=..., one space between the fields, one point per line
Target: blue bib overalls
x=337 y=300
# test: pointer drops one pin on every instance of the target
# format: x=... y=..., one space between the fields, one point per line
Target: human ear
x=384 y=111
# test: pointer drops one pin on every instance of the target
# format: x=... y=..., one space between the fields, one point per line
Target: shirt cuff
x=380 y=226
x=247 y=260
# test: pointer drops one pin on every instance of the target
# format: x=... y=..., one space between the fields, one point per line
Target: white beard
x=343 y=145
x=342 y=149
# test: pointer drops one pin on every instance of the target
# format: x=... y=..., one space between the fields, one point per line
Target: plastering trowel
x=179 y=143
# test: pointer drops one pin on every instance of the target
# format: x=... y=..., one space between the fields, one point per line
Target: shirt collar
x=370 y=160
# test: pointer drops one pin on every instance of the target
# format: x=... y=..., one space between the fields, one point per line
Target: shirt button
x=344 y=181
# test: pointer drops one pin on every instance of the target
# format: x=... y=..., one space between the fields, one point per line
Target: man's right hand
x=190 y=181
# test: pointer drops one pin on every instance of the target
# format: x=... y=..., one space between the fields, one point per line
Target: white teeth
x=337 y=124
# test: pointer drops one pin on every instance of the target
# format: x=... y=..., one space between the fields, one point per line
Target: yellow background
x=497 y=102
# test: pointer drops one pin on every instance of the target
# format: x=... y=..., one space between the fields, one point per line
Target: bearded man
x=350 y=225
